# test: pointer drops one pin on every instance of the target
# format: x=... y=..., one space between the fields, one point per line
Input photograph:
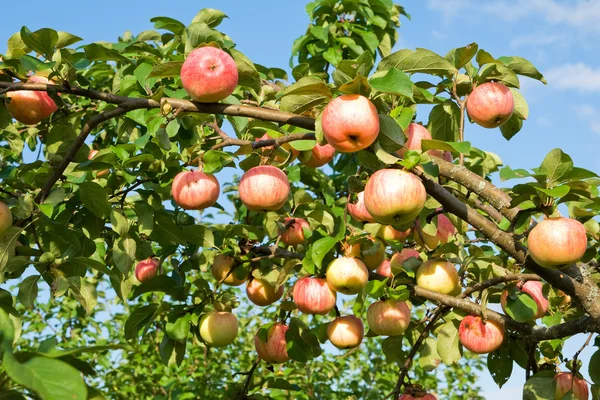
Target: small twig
x=576 y=356
x=242 y=394
x=11 y=194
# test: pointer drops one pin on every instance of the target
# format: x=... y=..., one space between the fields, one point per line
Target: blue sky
x=559 y=37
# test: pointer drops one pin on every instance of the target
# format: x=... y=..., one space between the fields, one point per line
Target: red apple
x=408 y=396
x=313 y=296
x=557 y=241
x=262 y=293
x=30 y=106
x=346 y=332
x=102 y=173
x=209 y=74
x=388 y=317
x=371 y=255
x=264 y=188
x=533 y=289
x=415 y=133
x=195 y=190
x=387 y=266
x=146 y=269
x=218 y=328
x=285 y=146
x=220 y=268
x=394 y=196
x=490 y=105
x=478 y=337
x=445 y=230
x=358 y=211
x=293 y=233
x=6 y=218
x=438 y=275
x=350 y=123
x=274 y=350
x=347 y=275
x=319 y=156
x=388 y=232
x=566 y=382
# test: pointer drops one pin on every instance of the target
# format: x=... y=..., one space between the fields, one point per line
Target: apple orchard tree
x=355 y=224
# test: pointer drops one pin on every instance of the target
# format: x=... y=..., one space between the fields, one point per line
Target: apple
x=347 y=275
x=490 y=105
x=220 y=268
x=30 y=106
x=533 y=289
x=445 y=230
x=346 y=332
x=557 y=241
x=195 y=190
x=394 y=196
x=146 y=269
x=371 y=255
x=414 y=133
x=350 y=123
x=313 y=296
x=209 y=74
x=319 y=156
x=293 y=233
x=102 y=173
x=566 y=382
x=218 y=328
x=262 y=293
x=6 y=218
x=478 y=337
x=358 y=211
x=438 y=275
x=387 y=266
x=388 y=317
x=264 y=188
x=425 y=396
x=274 y=350
x=388 y=232
x=285 y=146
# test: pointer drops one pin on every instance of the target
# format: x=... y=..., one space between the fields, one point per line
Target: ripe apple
x=445 y=229
x=146 y=269
x=387 y=267
x=346 y=332
x=566 y=382
x=6 y=218
x=347 y=275
x=30 y=106
x=414 y=133
x=293 y=234
x=533 y=289
x=358 y=211
x=285 y=146
x=209 y=74
x=262 y=293
x=218 y=328
x=350 y=123
x=557 y=241
x=372 y=256
x=264 y=188
x=408 y=396
x=490 y=105
x=313 y=296
x=319 y=156
x=195 y=190
x=388 y=317
x=394 y=196
x=102 y=173
x=438 y=275
x=478 y=337
x=221 y=266
x=274 y=350
x=388 y=232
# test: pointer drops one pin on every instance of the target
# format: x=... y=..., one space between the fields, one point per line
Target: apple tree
x=198 y=225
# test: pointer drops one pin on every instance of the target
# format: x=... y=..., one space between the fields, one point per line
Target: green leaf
x=384 y=156
x=520 y=306
x=523 y=67
x=179 y=329
x=210 y=17
x=320 y=32
x=540 y=386
x=124 y=254
x=500 y=365
x=594 y=367
x=461 y=56
x=169 y=24
x=429 y=359
x=95 y=198
x=42 y=41
x=507 y=173
x=199 y=33
x=119 y=223
x=390 y=136
x=199 y=235
x=420 y=60
x=65 y=39
x=28 y=291
x=448 y=345
x=302 y=344
x=168 y=69
x=160 y=283
x=8 y=242
x=171 y=351
x=84 y=292
x=444 y=120
x=483 y=57
x=555 y=166
x=395 y=82
x=138 y=319
x=320 y=249
x=521 y=108
x=308 y=92
x=98 y=52
x=248 y=75
x=454 y=147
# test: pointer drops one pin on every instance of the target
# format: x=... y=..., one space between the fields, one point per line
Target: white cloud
x=595 y=127
x=438 y=35
x=585 y=110
x=504 y=393
x=588 y=113
x=536 y=40
x=449 y=8
x=578 y=76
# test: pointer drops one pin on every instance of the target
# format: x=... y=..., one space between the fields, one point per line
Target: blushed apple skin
x=359 y=211
x=293 y=235
x=394 y=196
x=274 y=350
x=346 y=332
x=218 y=328
x=371 y=261
x=445 y=229
x=320 y=155
x=411 y=397
x=565 y=382
x=6 y=218
x=347 y=275
x=30 y=107
x=478 y=337
x=264 y=188
x=195 y=190
x=350 y=123
x=146 y=269
x=388 y=317
x=490 y=105
x=209 y=74
x=414 y=133
x=555 y=242
x=386 y=267
x=221 y=266
x=438 y=275
x=533 y=289
x=388 y=232
x=262 y=293
x=314 y=296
